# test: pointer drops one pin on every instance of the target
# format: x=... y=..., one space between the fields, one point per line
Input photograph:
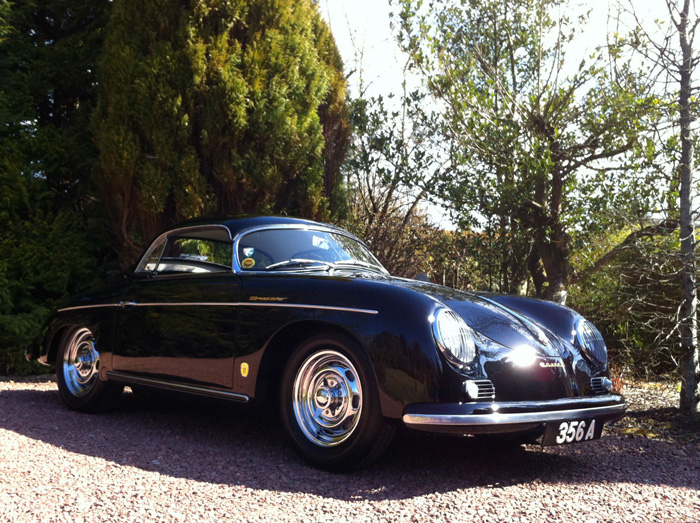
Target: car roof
x=241 y=223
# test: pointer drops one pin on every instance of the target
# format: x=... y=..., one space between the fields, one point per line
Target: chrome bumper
x=501 y=417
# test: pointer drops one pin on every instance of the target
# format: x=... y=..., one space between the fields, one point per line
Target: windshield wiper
x=300 y=262
x=356 y=263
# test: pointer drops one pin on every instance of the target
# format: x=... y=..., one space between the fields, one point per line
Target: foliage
x=389 y=169
x=524 y=134
x=43 y=259
x=206 y=106
x=47 y=79
x=670 y=50
x=633 y=298
x=48 y=50
x=213 y=108
x=335 y=117
x=455 y=259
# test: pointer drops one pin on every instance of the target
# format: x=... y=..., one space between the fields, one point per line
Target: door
x=178 y=316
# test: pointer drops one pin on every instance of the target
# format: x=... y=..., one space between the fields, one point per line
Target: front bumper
x=510 y=417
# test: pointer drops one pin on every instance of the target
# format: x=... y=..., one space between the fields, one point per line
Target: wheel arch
x=282 y=345
x=330 y=404
x=52 y=342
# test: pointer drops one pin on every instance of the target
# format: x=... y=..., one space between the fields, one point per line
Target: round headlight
x=454 y=337
x=590 y=341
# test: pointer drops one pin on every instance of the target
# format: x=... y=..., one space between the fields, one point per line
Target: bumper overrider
x=514 y=416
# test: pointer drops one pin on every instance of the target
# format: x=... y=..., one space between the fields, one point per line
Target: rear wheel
x=330 y=404
x=77 y=374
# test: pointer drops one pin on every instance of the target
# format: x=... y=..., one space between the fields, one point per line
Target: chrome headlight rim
x=590 y=341
x=454 y=338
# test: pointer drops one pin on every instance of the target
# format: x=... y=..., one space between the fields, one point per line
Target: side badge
x=248 y=263
x=244 y=369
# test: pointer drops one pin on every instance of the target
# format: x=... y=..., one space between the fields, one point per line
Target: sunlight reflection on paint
x=522 y=356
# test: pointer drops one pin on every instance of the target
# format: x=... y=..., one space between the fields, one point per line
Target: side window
x=190 y=251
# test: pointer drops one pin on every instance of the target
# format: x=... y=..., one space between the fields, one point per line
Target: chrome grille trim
x=485 y=389
x=600 y=385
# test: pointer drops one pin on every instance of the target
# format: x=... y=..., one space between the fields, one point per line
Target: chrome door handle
x=129 y=303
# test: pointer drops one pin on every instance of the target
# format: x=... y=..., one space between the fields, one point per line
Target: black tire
x=330 y=404
x=77 y=373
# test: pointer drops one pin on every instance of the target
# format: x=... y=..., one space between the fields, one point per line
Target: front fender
x=391 y=323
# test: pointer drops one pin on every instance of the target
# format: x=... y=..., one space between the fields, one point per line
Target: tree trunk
x=536 y=270
x=690 y=387
x=557 y=265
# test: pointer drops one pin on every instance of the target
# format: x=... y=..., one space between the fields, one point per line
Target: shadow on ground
x=221 y=443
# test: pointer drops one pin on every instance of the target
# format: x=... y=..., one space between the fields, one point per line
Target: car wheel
x=77 y=374
x=330 y=404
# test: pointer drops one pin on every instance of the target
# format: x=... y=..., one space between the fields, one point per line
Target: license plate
x=564 y=432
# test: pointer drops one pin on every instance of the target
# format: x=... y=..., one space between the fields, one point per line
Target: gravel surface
x=195 y=461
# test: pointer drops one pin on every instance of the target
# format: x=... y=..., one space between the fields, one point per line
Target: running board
x=180 y=387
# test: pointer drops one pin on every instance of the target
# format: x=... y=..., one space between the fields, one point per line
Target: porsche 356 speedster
x=302 y=313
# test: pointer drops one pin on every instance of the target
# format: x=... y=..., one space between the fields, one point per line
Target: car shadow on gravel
x=220 y=443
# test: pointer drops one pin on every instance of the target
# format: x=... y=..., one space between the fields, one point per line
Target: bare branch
x=663 y=228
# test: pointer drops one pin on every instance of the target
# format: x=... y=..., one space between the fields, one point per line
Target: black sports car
x=248 y=307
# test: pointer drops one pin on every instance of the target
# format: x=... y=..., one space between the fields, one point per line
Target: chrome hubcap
x=327 y=398
x=81 y=363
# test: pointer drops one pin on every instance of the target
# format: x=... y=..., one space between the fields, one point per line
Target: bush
x=44 y=258
x=634 y=302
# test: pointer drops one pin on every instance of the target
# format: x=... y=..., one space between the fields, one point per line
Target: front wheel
x=77 y=374
x=330 y=404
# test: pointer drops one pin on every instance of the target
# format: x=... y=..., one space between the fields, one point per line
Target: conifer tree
x=48 y=50
x=211 y=107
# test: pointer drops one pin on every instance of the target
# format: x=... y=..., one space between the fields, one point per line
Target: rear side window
x=195 y=255
x=198 y=251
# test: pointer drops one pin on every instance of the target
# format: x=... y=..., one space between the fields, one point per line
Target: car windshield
x=280 y=249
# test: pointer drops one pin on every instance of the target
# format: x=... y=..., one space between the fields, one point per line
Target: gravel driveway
x=149 y=461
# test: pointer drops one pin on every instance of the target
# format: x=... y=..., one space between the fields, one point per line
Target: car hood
x=491 y=319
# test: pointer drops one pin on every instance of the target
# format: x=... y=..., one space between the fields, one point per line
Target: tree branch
x=661 y=229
